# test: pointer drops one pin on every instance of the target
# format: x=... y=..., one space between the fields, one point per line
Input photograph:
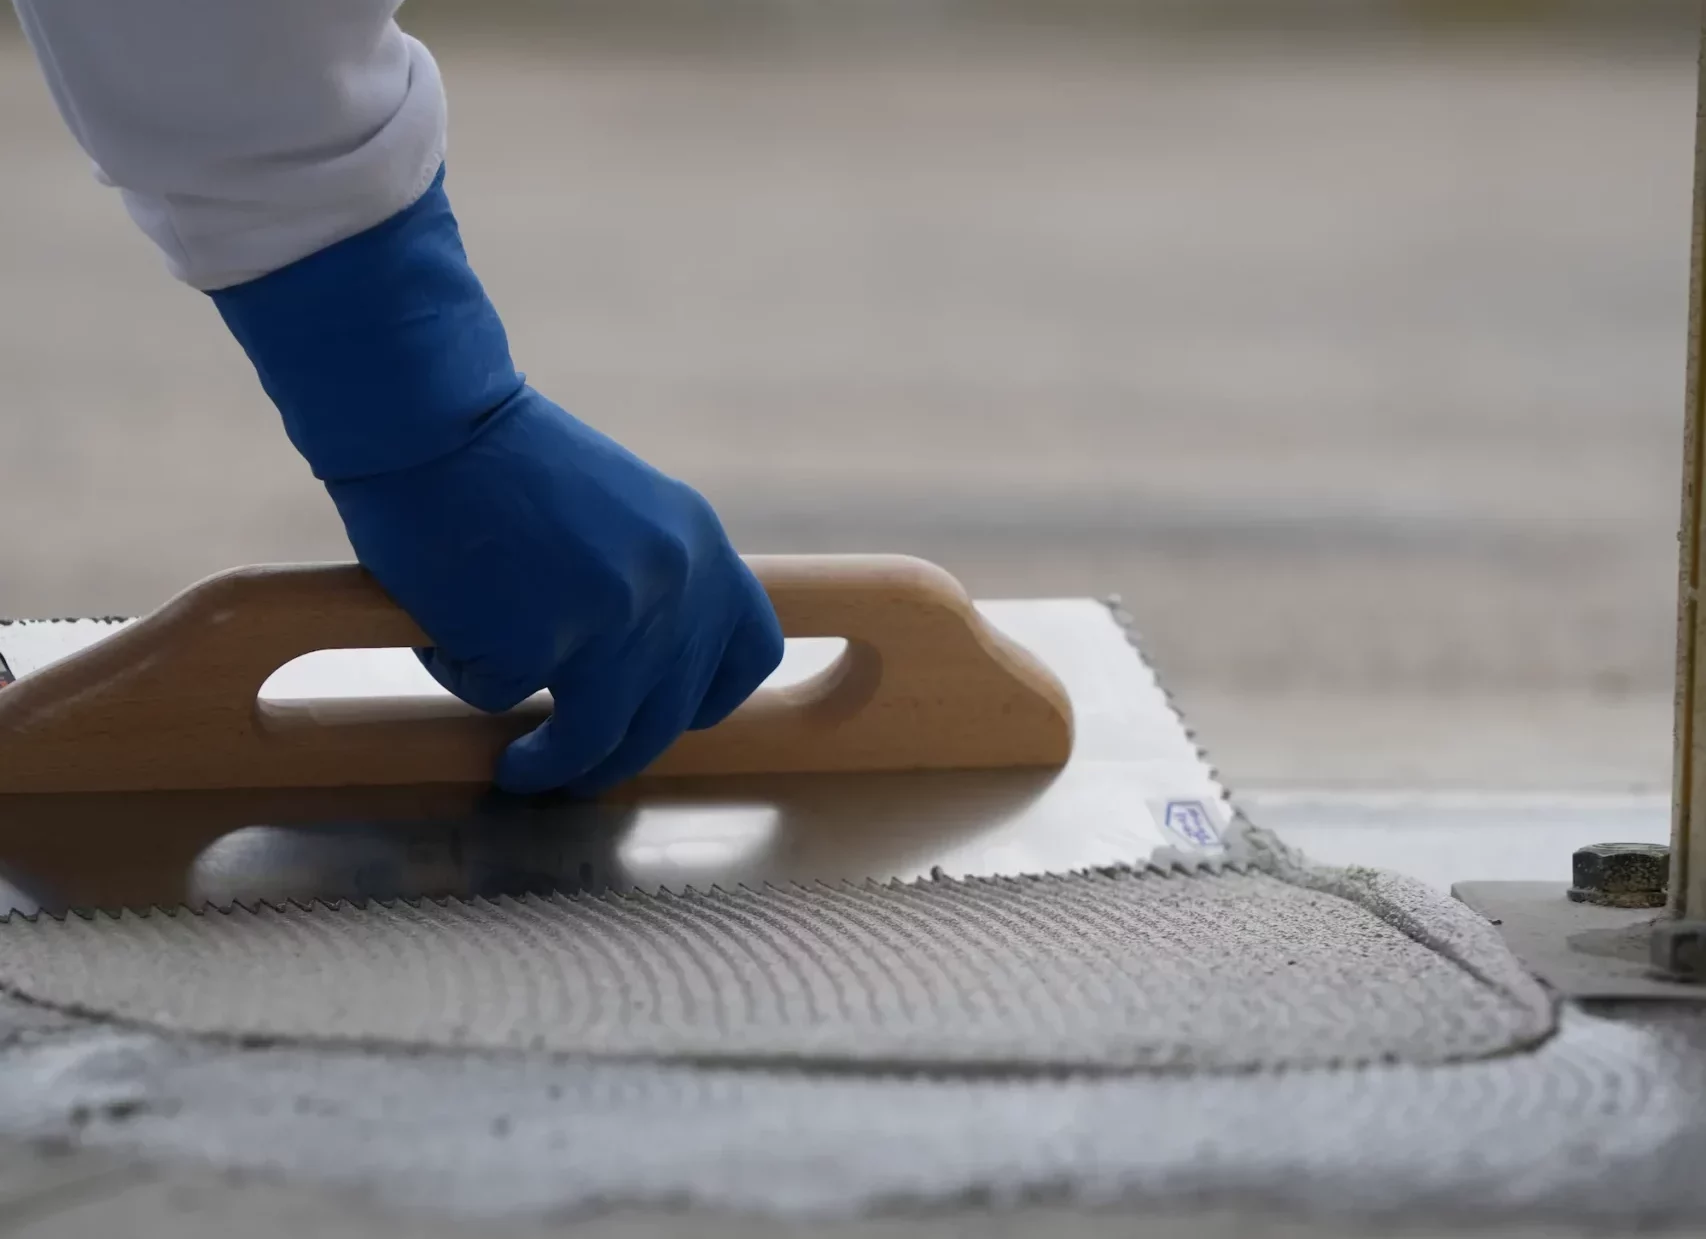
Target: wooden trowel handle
x=172 y=701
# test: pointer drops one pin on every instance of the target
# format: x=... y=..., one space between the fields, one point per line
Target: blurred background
x=1343 y=339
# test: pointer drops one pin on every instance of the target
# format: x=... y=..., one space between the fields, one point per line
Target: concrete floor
x=1357 y=370
x=64 y=1194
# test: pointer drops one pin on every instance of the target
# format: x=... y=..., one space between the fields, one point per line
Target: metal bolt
x=1622 y=875
x=1679 y=949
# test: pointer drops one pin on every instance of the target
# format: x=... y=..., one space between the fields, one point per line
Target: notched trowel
x=142 y=762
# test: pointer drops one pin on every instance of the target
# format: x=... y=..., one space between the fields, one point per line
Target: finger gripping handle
x=171 y=701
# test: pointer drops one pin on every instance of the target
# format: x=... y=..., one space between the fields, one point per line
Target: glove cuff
x=382 y=352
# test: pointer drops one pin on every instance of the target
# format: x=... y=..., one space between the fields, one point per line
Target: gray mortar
x=1604 y=1124
x=1445 y=926
x=1097 y=971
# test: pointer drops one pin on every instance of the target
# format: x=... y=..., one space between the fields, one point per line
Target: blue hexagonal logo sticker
x=1193 y=823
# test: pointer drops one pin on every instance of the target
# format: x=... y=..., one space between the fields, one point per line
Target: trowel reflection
x=222 y=849
x=769 y=830
x=588 y=848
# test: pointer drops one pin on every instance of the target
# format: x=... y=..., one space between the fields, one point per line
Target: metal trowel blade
x=1136 y=792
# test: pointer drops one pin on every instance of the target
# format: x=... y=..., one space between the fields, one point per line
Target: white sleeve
x=245 y=134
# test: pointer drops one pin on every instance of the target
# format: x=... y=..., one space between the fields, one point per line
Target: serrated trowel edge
x=28 y=645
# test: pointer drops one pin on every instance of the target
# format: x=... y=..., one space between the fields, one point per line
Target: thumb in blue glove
x=535 y=552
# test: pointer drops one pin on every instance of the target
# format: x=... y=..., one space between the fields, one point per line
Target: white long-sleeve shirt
x=245 y=134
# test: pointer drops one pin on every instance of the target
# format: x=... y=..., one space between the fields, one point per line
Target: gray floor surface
x=1354 y=364
x=1600 y=1131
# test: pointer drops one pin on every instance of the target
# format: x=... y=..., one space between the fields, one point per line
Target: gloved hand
x=542 y=555
x=535 y=552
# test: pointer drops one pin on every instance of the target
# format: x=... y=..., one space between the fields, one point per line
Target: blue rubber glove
x=535 y=552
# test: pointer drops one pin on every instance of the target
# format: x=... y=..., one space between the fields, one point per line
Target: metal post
x=1678 y=945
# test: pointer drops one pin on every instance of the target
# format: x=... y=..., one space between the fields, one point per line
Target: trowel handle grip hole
x=174 y=701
